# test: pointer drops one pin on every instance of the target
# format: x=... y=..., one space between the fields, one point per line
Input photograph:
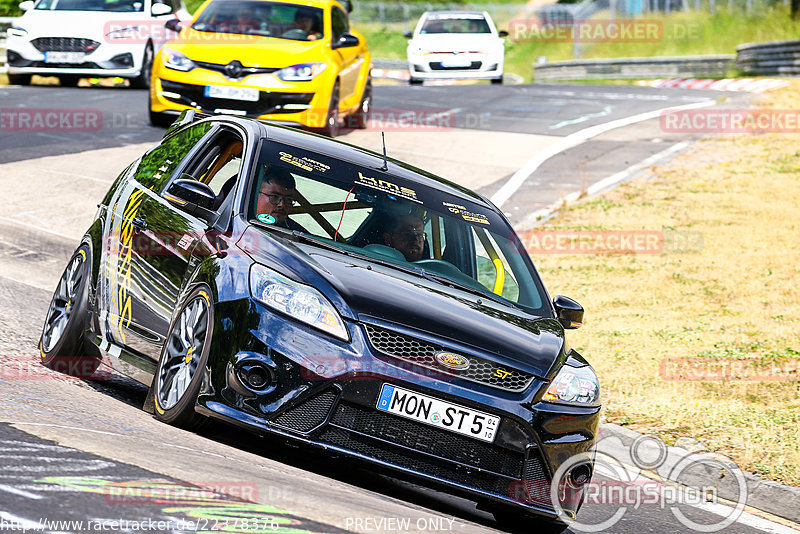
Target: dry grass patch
x=736 y=200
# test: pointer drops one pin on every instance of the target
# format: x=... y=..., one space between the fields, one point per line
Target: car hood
x=445 y=42
x=250 y=50
x=371 y=292
x=87 y=24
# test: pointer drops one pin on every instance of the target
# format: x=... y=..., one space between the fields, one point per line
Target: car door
x=352 y=57
x=144 y=263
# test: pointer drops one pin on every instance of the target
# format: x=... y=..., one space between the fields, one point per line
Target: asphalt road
x=72 y=450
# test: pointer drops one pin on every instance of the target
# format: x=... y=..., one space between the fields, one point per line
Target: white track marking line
x=602 y=185
x=21 y=493
x=574 y=139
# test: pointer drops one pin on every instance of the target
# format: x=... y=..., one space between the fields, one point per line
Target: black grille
x=423 y=353
x=268 y=102
x=437 y=65
x=309 y=414
x=454 y=473
x=65 y=44
x=536 y=482
x=428 y=439
x=86 y=65
x=240 y=72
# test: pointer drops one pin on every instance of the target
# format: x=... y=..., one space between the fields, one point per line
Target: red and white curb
x=747 y=85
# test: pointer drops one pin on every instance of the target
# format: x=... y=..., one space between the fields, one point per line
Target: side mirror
x=408 y=35
x=348 y=6
x=27 y=5
x=173 y=24
x=193 y=197
x=347 y=40
x=568 y=312
x=502 y=33
x=160 y=9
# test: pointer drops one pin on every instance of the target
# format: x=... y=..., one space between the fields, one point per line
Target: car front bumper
x=324 y=393
x=108 y=59
x=436 y=66
x=296 y=103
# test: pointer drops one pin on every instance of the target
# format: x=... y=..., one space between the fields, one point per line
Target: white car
x=71 y=39
x=456 y=44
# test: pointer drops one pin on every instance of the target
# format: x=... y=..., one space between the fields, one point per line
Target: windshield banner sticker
x=465 y=214
x=388 y=187
x=307 y=164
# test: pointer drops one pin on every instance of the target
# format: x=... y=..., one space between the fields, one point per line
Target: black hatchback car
x=302 y=287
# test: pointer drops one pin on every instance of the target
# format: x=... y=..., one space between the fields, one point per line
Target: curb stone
x=705 y=469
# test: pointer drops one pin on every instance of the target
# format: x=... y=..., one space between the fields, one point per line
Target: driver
x=275 y=199
x=306 y=21
x=407 y=235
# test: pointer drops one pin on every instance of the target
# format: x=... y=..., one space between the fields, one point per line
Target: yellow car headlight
x=177 y=61
x=302 y=72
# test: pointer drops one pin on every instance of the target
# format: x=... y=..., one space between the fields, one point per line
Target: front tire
x=161 y=120
x=360 y=119
x=183 y=360
x=331 y=128
x=497 y=81
x=143 y=80
x=414 y=81
x=19 y=79
x=62 y=344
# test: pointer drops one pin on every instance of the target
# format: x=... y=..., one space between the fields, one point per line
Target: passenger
x=407 y=235
x=275 y=199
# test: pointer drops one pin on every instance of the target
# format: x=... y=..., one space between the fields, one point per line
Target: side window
x=158 y=165
x=339 y=23
x=218 y=164
x=494 y=272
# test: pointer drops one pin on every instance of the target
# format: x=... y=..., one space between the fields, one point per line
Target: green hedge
x=10 y=8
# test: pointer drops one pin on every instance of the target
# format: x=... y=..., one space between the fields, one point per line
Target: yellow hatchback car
x=293 y=62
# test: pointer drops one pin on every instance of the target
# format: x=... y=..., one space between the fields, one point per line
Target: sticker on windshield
x=467 y=215
x=307 y=164
x=266 y=218
x=388 y=187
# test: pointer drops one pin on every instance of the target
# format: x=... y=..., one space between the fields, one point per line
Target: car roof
x=310 y=3
x=455 y=13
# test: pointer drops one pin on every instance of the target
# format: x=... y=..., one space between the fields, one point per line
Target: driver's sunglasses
x=288 y=200
x=409 y=234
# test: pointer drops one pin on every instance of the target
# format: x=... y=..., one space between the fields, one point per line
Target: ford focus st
x=297 y=286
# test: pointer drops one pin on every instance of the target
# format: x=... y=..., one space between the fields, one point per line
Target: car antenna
x=385 y=164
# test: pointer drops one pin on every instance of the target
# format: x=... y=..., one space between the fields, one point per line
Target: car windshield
x=119 y=6
x=267 y=19
x=455 y=24
x=437 y=234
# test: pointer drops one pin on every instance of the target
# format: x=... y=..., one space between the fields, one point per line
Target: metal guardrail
x=778 y=58
x=626 y=68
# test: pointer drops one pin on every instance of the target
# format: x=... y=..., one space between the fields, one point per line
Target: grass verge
x=734 y=298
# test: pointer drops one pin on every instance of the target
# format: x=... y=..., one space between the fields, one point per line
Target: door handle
x=139 y=224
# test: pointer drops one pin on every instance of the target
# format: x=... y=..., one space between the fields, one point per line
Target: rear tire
x=182 y=364
x=62 y=345
x=19 y=79
x=143 y=80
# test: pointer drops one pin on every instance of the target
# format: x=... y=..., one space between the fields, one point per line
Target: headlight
x=176 y=60
x=123 y=33
x=302 y=72
x=574 y=385
x=16 y=31
x=297 y=300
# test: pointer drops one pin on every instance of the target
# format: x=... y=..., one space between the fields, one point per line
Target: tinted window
x=456 y=24
x=267 y=19
x=120 y=6
x=339 y=23
x=159 y=163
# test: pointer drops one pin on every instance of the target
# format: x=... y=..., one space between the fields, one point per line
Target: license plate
x=456 y=61
x=438 y=413
x=64 y=57
x=232 y=93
